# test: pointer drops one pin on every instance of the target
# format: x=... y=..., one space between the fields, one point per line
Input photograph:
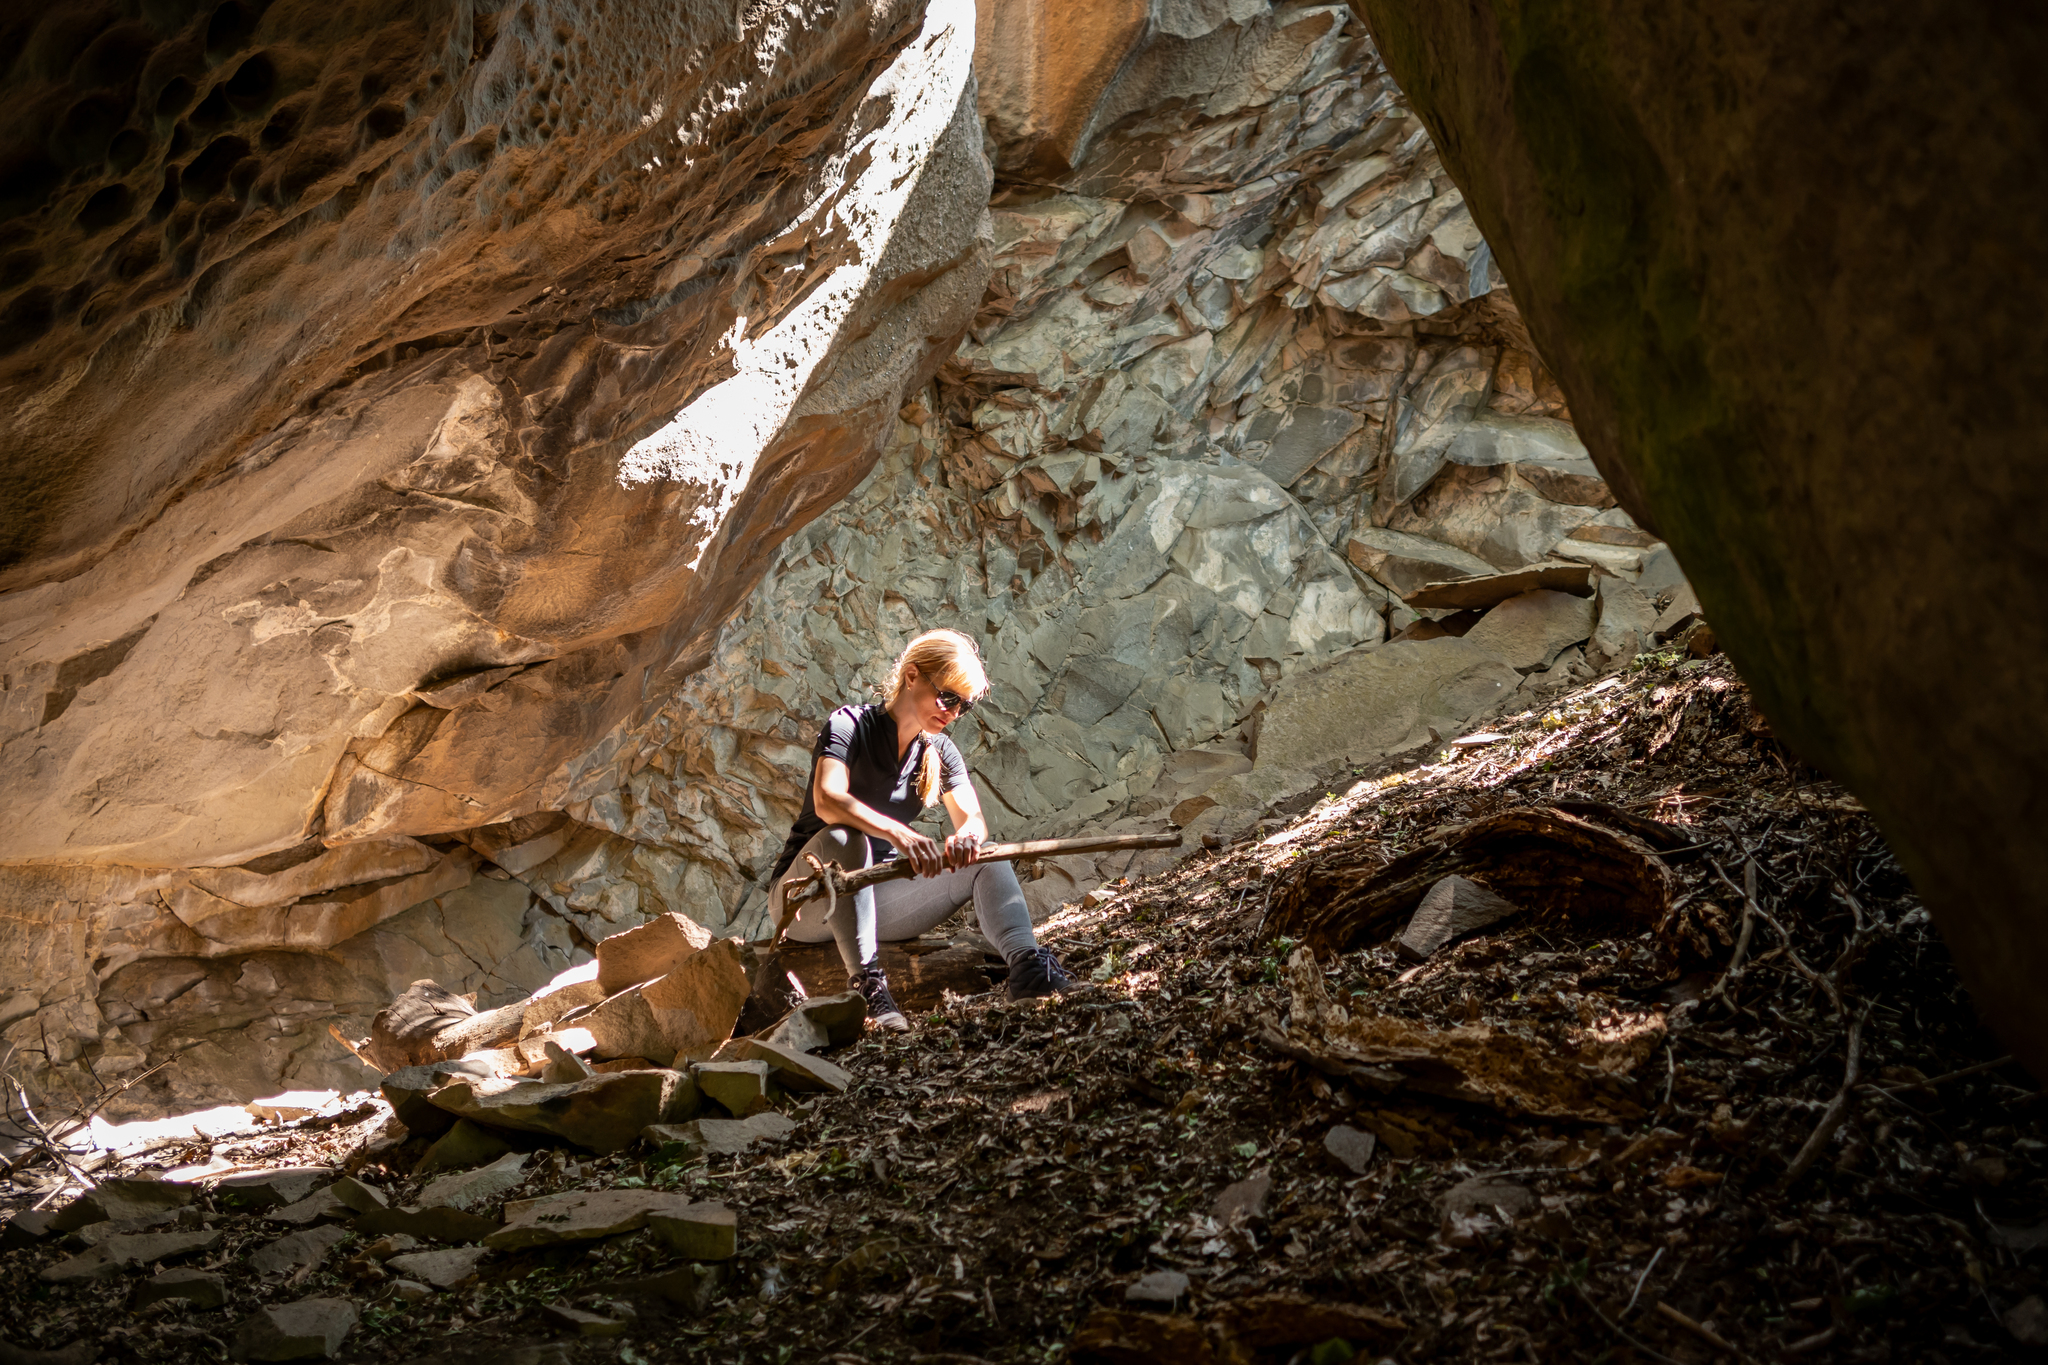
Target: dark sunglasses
x=953 y=701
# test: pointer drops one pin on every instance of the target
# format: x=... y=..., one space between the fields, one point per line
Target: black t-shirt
x=864 y=739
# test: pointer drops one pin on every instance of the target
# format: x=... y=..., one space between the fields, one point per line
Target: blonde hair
x=947 y=659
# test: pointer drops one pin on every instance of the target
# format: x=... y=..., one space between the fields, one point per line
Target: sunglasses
x=953 y=701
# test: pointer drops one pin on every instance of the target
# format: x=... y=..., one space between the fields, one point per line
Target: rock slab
x=602 y=1114
x=465 y=1189
x=586 y=1215
x=311 y=1329
x=660 y=946
x=718 y=1137
x=1454 y=907
x=441 y=1269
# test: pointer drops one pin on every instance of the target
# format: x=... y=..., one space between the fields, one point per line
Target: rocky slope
x=1787 y=264
x=442 y=675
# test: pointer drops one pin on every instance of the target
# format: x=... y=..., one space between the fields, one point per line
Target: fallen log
x=826 y=879
x=1542 y=858
x=431 y=1024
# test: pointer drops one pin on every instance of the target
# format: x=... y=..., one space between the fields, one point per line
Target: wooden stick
x=845 y=883
x=1837 y=1111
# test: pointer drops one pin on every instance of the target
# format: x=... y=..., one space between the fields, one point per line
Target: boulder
x=311 y=1329
x=793 y=1070
x=660 y=946
x=1454 y=907
x=1371 y=703
x=602 y=1114
x=469 y=1188
x=1627 y=618
x=465 y=1145
x=586 y=1215
x=686 y=1013
x=716 y=1137
x=442 y=1269
x=1532 y=629
x=743 y=1088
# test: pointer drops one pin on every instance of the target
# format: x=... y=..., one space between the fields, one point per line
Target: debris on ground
x=1707 y=1088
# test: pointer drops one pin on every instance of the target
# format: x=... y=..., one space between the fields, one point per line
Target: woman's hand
x=926 y=857
x=962 y=848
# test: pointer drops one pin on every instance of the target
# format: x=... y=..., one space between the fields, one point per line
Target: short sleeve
x=836 y=739
x=954 y=765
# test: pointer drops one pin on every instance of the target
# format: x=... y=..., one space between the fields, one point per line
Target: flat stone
x=744 y=1088
x=439 y=1224
x=463 y=1146
x=407 y=1090
x=1682 y=612
x=1350 y=1148
x=1244 y=1200
x=582 y=1323
x=253 y=1191
x=26 y=1228
x=356 y=1195
x=1371 y=703
x=201 y=1288
x=839 y=1019
x=793 y=1070
x=717 y=1137
x=1161 y=1286
x=297 y=1250
x=397 y=1244
x=311 y=1329
x=314 y=1207
x=1534 y=628
x=1474 y=1209
x=116 y=1253
x=470 y=1188
x=563 y=1066
x=653 y=949
x=114 y=1200
x=686 y=1013
x=582 y=1216
x=795 y=1032
x=1408 y=563
x=602 y=1114
x=92 y=1234
x=698 y=1232
x=1480 y=593
x=1627 y=617
x=690 y=1286
x=1454 y=907
x=410 y=1291
x=441 y=1269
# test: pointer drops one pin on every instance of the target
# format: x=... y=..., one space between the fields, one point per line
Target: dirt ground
x=995 y=1184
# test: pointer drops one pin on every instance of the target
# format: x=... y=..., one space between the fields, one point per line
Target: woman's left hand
x=962 y=849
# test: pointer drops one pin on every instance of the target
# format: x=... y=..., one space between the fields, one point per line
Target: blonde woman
x=873 y=769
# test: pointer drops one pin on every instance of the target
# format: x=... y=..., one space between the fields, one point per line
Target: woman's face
x=924 y=693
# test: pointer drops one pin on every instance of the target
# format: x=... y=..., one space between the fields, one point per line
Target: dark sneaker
x=1038 y=973
x=873 y=984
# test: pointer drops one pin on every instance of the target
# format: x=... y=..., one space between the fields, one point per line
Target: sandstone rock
x=793 y=1070
x=585 y=1215
x=572 y=989
x=743 y=1088
x=1454 y=907
x=463 y=1146
x=26 y=1228
x=564 y=1066
x=92 y=1234
x=1531 y=630
x=697 y=1232
x=327 y=1203
x=407 y=1090
x=396 y=1244
x=296 y=1250
x=717 y=1137
x=686 y=1013
x=254 y=1190
x=116 y=1253
x=470 y=1188
x=441 y=1269
x=660 y=946
x=435 y=1224
x=410 y=1291
x=311 y=1329
x=1683 y=610
x=1408 y=563
x=1243 y=1201
x=116 y=1199
x=1350 y=1148
x=836 y=1020
x=690 y=1287
x=1627 y=618
x=1378 y=702
x=1493 y=588
x=202 y=1289
x=602 y=1114
x=355 y=1195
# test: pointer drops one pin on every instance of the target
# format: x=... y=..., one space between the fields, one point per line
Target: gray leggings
x=904 y=909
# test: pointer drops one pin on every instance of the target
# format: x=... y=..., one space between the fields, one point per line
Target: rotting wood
x=431 y=1024
x=1545 y=859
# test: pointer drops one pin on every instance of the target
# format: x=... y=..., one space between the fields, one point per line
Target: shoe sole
x=892 y=1022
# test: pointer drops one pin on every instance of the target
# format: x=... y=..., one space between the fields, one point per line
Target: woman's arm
x=835 y=805
x=970 y=831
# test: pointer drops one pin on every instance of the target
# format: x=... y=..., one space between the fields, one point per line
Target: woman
x=873 y=769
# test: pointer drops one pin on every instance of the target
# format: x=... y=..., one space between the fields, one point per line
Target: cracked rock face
x=447 y=563
x=1703 y=212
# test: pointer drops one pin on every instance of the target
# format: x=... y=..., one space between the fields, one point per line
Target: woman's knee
x=999 y=879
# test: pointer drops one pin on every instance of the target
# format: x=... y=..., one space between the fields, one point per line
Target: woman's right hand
x=927 y=859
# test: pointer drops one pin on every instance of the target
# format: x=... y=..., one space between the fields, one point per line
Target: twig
x=1837 y=1111
x=1698 y=1329
x=1656 y=1257
x=1791 y=954
x=1615 y=1328
x=1933 y=1081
